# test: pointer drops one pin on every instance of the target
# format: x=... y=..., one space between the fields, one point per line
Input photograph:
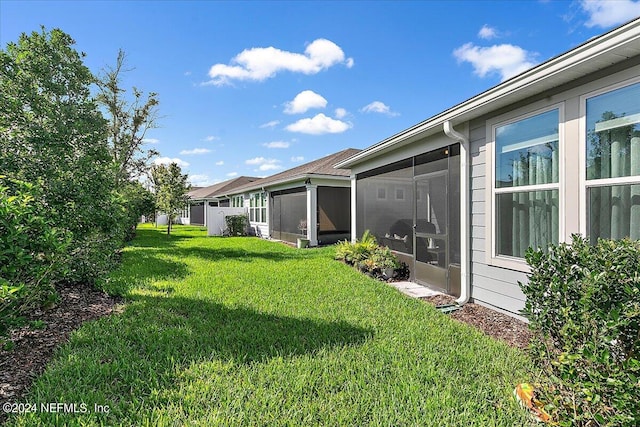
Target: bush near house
x=369 y=257
x=583 y=301
x=237 y=224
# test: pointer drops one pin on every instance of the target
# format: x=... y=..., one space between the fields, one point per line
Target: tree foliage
x=33 y=250
x=129 y=120
x=52 y=133
x=171 y=188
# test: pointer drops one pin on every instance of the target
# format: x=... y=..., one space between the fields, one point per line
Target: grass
x=242 y=331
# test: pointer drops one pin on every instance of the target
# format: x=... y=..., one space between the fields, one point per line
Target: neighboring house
x=283 y=205
x=213 y=195
x=551 y=152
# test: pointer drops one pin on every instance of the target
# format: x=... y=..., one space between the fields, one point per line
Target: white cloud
x=200 y=180
x=271 y=124
x=232 y=174
x=505 y=59
x=187 y=73
x=276 y=144
x=210 y=138
x=168 y=160
x=269 y=166
x=608 y=13
x=304 y=101
x=341 y=113
x=487 y=32
x=256 y=161
x=220 y=163
x=264 y=164
x=150 y=140
x=379 y=107
x=195 y=151
x=261 y=63
x=319 y=125
x=297 y=159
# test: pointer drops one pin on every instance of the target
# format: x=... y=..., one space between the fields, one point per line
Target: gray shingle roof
x=322 y=166
x=220 y=188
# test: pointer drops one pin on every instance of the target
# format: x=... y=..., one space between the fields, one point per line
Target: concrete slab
x=414 y=290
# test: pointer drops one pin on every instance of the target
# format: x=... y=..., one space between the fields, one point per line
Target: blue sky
x=253 y=88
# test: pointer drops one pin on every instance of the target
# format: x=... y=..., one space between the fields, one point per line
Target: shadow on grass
x=142 y=353
x=140 y=269
x=222 y=253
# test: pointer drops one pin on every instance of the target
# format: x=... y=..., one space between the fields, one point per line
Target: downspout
x=465 y=223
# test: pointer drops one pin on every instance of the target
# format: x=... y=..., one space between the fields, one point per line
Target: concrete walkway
x=414 y=290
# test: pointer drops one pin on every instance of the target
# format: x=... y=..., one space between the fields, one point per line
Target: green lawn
x=242 y=331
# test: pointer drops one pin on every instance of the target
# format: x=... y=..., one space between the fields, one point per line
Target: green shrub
x=237 y=225
x=32 y=254
x=583 y=302
x=368 y=256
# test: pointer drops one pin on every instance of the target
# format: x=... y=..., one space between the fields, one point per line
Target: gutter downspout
x=465 y=285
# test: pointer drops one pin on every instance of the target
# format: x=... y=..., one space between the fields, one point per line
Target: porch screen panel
x=384 y=199
x=613 y=164
x=334 y=209
x=527 y=184
x=290 y=214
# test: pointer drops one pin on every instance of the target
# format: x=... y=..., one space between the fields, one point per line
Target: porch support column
x=354 y=236
x=312 y=214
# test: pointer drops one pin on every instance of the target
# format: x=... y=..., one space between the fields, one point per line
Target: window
x=399 y=193
x=613 y=164
x=258 y=207
x=526 y=187
x=237 y=201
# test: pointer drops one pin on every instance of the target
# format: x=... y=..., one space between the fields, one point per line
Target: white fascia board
x=539 y=78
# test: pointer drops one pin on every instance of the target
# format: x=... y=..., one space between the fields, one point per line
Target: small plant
x=38 y=324
x=369 y=257
x=583 y=303
x=237 y=225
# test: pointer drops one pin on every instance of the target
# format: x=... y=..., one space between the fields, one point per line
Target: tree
x=171 y=188
x=137 y=201
x=53 y=134
x=129 y=121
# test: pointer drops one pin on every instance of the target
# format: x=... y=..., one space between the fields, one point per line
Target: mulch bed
x=495 y=324
x=34 y=348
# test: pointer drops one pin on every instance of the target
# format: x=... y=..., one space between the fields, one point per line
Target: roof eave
x=508 y=91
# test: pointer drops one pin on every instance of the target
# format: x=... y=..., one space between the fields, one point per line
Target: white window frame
x=505 y=261
x=258 y=206
x=237 y=202
x=582 y=158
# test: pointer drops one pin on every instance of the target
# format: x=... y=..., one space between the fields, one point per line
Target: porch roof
x=322 y=167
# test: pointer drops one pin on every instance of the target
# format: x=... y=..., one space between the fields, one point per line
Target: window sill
x=510 y=263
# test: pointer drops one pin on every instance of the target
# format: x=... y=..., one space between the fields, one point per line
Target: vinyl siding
x=492 y=286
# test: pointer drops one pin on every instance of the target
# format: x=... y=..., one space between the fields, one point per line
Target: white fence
x=216 y=223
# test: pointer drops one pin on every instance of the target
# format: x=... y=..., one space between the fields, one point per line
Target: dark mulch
x=497 y=325
x=34 y=348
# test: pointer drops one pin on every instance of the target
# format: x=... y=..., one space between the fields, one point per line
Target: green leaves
x=584 y=302
x=171 y=188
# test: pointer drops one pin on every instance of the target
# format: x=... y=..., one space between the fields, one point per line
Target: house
x=213 y=195
x=548 y=153
x=282 y=206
